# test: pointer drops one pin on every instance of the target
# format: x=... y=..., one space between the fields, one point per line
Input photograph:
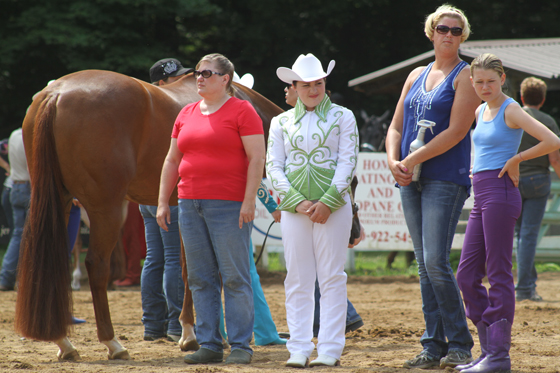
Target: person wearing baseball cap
x=167 y=70
x=311 y=159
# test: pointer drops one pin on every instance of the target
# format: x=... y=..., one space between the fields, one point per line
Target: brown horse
x=101 y=137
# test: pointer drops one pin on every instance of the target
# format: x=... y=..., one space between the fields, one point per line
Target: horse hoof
x=191 y=345
x=120 y=355
x=70 y=356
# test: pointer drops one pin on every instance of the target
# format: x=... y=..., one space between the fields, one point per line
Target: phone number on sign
x=385 y=236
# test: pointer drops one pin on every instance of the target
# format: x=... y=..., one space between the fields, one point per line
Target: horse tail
x=44 y=299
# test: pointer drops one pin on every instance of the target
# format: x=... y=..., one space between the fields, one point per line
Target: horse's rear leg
x=103 y=237
x=188 y=338
x=67 y=350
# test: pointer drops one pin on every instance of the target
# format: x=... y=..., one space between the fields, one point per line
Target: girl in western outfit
x=311 y=159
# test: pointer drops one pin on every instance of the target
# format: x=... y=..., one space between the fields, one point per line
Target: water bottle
x=418 y=143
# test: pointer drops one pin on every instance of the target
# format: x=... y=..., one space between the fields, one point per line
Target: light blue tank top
x=494 y=141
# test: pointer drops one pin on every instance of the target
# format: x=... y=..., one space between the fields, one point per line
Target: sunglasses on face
x=455 y=31
x=206 y=73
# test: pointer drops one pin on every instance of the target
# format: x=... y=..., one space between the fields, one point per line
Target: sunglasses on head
x=206 y=73
x=455 y=31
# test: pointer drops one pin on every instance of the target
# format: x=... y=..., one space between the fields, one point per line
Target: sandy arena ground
x=390 y=308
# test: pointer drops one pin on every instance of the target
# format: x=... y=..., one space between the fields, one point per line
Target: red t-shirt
x=214 y=164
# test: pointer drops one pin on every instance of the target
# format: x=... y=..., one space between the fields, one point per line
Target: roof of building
x=520 y=57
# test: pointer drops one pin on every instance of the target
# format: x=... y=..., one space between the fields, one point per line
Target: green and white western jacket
x=312 y=155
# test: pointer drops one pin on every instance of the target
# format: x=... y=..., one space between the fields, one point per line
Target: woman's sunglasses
x=206 y=73
x=455 y=31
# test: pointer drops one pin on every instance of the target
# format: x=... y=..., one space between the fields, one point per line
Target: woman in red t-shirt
x=217 y=148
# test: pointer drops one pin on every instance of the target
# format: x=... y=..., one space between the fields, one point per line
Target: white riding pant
x=316 y=251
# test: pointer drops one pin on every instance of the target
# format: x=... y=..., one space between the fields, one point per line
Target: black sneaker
x=454 y=358
x=422 y=361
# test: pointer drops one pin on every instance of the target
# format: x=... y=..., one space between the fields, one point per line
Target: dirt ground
x=390 y=308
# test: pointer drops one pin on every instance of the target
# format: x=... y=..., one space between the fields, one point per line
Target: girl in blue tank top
x=487 y=249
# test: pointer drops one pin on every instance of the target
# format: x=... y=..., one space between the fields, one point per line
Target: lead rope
x=264 y=243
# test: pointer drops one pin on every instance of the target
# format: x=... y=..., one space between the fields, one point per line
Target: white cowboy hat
x=307 y=68
x=247 y=80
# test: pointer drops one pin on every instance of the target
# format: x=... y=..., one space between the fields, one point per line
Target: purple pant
x=487 y=249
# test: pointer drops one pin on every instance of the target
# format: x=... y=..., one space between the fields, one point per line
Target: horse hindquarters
x=43 y=308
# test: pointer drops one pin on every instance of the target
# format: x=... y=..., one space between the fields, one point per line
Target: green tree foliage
x=44 y=40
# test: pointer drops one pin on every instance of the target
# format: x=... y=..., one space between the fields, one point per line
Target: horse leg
x=105 y=227
x=391 y=258
x=67 y=350
x=188 y=337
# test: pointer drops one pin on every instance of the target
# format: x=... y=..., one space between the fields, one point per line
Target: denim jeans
x=214 y=246
x=162 y=286
x=432 y=209
x=7 y=207
x=351 y=314
x=534 y=191
x=19 y=199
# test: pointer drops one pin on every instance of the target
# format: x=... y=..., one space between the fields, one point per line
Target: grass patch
x=374 y=263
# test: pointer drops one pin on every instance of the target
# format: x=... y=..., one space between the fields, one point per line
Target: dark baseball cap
x=165 y=68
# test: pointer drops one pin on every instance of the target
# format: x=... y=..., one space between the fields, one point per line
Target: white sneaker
x=324 y=360
x=298 y=361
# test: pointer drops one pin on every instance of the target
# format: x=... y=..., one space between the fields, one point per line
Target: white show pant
x=316 y=251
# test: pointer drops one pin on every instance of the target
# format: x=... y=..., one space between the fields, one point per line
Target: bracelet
x=519 y=154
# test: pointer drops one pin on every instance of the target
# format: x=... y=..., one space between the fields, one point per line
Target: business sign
x=380 y=205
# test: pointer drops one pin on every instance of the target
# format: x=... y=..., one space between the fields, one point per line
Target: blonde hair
x=533 y=91
x=487 y=61
x=446 y=10
x=223 y=66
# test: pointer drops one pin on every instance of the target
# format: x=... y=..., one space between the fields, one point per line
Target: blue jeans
x=19 y=199
x=73 y=227
x=162 y=286
x=7 y=207
x=351 y=314
x=534 y=191
x=214 y=246
x=432 y=209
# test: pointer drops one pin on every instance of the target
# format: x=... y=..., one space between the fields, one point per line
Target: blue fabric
x=534 y=191
x=266 y=198
x=432 y=209
x=214 y=246
x=263 y=326
x=73 y=226
x=494 y=141
x=19 y=199
x=435 y=105
x=351 y=314
x=7 y=207
x=161 y=285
